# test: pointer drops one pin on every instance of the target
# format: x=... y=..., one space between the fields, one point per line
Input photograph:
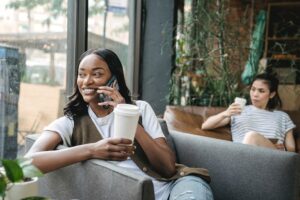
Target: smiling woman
x=93 y=75
x=95 y=70
x=88 y=129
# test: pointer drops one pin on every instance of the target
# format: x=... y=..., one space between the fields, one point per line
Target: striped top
x=271 y=124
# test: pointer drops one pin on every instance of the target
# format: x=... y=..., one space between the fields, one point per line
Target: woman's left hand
x=113 y=93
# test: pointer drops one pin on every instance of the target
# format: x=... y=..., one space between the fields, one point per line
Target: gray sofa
x=238 y=172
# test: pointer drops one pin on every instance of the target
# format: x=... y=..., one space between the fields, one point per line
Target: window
x=36 y=67
x=33 y=47
x=111 y=24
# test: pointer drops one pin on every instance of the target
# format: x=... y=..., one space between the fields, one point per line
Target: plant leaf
x=31 y=171
x=2 y=185
x=24 y=161
x=13 y=170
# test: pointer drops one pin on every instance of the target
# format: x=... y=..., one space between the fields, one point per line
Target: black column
x=159 y=18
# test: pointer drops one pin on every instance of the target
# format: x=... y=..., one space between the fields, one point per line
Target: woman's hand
x=113 y=93
x=221 y=119
x=233 y=109
x=112 y=149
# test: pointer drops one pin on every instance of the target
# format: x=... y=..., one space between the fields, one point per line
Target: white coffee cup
x=240 y=101
x=126 y=118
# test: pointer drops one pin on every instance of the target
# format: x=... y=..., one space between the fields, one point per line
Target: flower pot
x=22 y=189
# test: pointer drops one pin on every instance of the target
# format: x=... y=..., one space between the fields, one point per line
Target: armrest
x=241 y=171
x=93 y=179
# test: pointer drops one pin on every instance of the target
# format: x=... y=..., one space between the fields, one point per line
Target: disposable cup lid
x=127 y=109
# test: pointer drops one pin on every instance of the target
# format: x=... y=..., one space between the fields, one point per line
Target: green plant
x=15 y=171
x=211 y=51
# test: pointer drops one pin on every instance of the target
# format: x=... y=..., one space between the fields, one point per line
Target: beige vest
x=85 y=132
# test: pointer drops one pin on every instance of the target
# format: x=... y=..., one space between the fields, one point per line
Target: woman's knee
x=252 y=137
x=191 y=187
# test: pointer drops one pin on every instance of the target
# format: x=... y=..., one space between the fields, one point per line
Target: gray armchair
x=238 y=172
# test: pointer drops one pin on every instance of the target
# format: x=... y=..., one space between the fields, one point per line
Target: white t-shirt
x=64 y=127
x=271 y=124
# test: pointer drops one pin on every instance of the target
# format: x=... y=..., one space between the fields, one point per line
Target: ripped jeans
x=190 y=188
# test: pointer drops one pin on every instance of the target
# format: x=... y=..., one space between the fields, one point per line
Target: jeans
x=190 y=187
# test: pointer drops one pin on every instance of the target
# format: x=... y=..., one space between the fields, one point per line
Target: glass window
x=33 y=47
x=111 y=25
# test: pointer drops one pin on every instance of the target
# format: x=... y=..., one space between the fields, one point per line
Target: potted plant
x=18 y=179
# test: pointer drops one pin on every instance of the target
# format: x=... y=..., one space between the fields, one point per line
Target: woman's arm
x=158 y=152
x=222 y=118
x=216 y=121
x=290 y=141
x=47 y=159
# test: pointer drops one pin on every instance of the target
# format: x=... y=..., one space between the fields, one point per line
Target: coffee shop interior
x=189 y=59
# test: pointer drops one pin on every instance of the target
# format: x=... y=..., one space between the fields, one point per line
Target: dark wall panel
x=157 y=52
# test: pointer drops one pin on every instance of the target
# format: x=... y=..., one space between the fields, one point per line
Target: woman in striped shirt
x=259 y=124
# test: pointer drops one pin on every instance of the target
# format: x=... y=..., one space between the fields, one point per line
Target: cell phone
x=112 y=82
